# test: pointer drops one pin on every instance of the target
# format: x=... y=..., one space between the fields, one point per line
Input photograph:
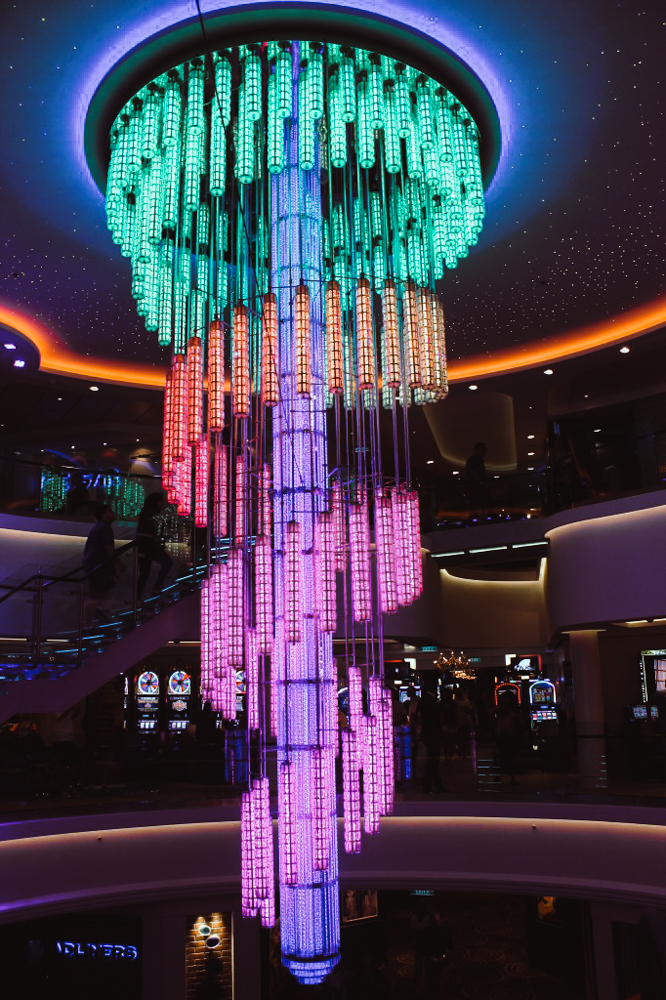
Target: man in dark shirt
x=149 y=547
x=98 y=559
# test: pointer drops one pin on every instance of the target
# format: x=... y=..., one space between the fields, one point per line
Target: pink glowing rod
x=184 y=483
x=201 y=483
x=179 y=407
x=359 y=550
x=286 y=819
x=389 y=753
x=194 y=390
x=241 y=499
x=249 y=902
x=293 y=600
x=220 y=492
x=167 y=437
x=351 y=792
x=303 y=359
x=413 y=520
x=236 y=606
x=385 y=553
x=325 y=596
x=365 y=352
x=370 y=768
x=401 y=548
x=265 y=503
x=410 y=334
x=252 y=675
x=441 y=376
x=320 y=796
x=267 y=850
x=355 y=684
x=240 y=383
x=391 y=333
x=206 y=666
x=216 y=377
x=339 y=527
x=334 y=338
x=269 y=378
x=263 y=589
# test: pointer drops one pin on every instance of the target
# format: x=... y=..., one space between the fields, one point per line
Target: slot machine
x=147 y=701
x=179 y=695
x=543 y=706
x=508 y=687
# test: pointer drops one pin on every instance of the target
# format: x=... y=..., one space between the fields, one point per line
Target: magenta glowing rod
x=201 y=483
x=385 y=554
x=351 y=792
x=359 y=550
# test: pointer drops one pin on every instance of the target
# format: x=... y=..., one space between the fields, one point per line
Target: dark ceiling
x=575 y=223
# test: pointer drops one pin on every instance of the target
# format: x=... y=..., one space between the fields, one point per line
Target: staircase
x=52 y=678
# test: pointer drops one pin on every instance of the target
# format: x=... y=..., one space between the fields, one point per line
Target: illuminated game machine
x=179 y=696
x=543 y=705
x=147 y=701
x=508 y=687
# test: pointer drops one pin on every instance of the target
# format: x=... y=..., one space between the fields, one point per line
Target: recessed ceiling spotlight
x=530 y=437
x=625 y=349
x=104 y=444
x=431 y=461
x=137 y=440
x=548 y=371
x=597 y=430
x=73 y=446
x=94 y=388
x=456 y=473
x=530 y=454
x=10 y=347
x=530 y=468
x=60 y=399
x=473 y=387
x=19 y=363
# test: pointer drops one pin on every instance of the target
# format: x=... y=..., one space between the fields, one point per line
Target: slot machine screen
x=639 y=713
x=180 y=689
x=147 y=701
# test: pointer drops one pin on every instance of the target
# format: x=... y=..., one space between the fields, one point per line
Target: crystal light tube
x=220 y=492
x=365 y=354
x=370 y=777
x=201 y=483
x=334 y=338
x=325 y=572
x=183 y=483
x=339 y=527
x=240 y=506
x=179 y=402
x=355 y=685
x=287 y=822
x=351 y=793
x=252 y=678
x=206 y=666
x=249 y=902
x=293 y=601
x=391 y=333
x=410 y=335
x=426 y=341
x=269 y=379
x=303 y=359
x=440 y=341
x=413 y=527
x=240 y=383
x=216 y=376
x=263 y=590
x=265 y=502
x=235 y=569
x=321 y=794
x=359 y=550
x=402 y=551
x=385 y=553
x=167 y=436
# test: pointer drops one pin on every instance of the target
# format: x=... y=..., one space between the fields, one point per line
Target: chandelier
x=287 y=208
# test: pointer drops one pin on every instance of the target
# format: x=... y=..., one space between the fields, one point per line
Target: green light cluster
x=192 y=152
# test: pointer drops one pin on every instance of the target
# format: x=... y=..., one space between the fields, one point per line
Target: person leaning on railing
x=149 y=547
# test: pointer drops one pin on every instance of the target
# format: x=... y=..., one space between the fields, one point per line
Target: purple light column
x=307 y=834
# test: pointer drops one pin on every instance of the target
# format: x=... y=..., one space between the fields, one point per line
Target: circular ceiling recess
x=253 y=23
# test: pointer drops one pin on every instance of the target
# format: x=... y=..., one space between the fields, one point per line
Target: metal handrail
x=61 y=579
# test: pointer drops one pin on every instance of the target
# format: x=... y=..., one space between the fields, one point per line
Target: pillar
x=589 y=709
x=163 y=959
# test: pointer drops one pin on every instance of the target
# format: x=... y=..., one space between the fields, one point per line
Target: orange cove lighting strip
x=58 y=359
